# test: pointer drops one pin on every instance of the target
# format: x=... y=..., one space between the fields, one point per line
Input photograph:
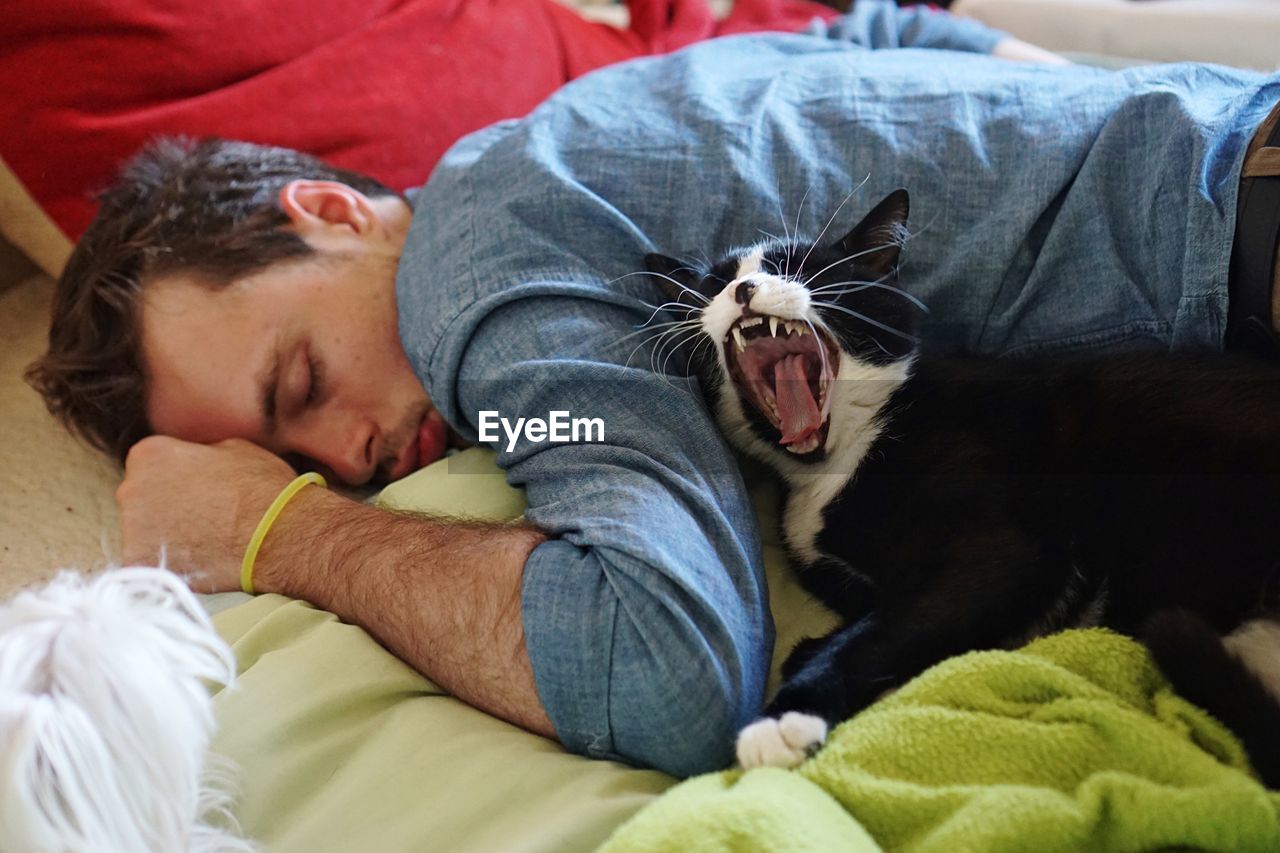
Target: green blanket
x=1073 y=743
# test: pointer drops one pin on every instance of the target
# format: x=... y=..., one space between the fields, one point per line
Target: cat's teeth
x=809 y=444
x=737 y=336
x=772 y=402
x=751 y=321
x=796 y=328
x=773 y=325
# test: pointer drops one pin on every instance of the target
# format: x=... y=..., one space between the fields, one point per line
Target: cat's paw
x=782 y=742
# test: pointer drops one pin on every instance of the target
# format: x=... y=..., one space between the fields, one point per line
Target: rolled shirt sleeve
x=646 y=616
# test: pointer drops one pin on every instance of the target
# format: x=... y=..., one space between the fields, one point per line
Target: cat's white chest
x=858 y=396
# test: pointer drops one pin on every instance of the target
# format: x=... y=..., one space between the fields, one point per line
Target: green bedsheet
x=343 y=748
x=1073 y=743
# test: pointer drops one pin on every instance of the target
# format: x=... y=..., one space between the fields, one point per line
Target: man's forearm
x=443 y=596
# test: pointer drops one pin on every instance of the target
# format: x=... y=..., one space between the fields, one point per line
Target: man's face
x=303 y=358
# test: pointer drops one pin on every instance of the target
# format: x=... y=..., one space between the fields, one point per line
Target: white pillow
x=1231 y=32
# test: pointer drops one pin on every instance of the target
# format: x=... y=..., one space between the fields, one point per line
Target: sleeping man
x=239 y=304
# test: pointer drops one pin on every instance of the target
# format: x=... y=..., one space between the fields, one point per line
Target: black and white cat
x=941 y=504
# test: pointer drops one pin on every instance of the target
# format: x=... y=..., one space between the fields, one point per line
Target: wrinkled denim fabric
x=1055 y=209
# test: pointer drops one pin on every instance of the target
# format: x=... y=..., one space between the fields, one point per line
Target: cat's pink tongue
x=796 y=406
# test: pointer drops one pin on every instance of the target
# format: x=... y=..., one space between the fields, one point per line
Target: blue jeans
x=1055 y=209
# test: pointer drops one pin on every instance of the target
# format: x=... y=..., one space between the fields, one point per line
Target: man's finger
x=149 y=445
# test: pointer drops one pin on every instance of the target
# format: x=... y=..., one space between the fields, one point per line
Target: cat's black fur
x=1006 y=498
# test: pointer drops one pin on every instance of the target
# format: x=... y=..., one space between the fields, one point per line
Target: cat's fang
x=737 y=337
x=773 y=325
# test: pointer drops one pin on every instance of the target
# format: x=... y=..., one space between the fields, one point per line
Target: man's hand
x=196 y=503
x=444 y=596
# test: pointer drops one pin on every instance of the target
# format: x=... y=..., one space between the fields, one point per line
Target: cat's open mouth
x=784 y=368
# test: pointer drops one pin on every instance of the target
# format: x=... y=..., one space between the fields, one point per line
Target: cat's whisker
x=678 y=284
x=822 y=348
x=628 y=275
x=658 y=309
x=848 y=282
x=803 y=198
x=783 y=217
x=632 y=354
x=882 y=347
x=706 y=341
x=665 y=328
x=691 y=325
x=657 y=336
x=909 y=235
x=831 y=219
x=651 y=329
x=671 y=352
x=854 y=257
x=864 y=318
x=644 y=326
x=838 y=289
x=659 y=275
x=653 y=363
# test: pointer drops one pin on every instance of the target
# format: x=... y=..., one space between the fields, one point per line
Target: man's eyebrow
x=269 y=384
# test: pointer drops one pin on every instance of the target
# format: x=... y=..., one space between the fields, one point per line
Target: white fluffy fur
x=105 y=717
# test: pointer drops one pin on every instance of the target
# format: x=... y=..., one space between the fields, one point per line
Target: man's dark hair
x=208 y=208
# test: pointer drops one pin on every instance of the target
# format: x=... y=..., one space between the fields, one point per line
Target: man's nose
x=349 y=447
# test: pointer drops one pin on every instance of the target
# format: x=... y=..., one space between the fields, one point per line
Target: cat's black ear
x=876 y=241
x=675 y=278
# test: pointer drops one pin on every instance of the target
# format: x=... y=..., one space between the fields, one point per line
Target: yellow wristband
x=268 y=519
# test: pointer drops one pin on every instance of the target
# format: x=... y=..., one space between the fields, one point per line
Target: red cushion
x=383 y=87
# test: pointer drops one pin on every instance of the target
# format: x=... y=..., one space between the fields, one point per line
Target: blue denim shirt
x=1055 y=208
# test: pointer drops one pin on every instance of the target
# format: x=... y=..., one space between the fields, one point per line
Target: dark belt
x=1253 y=254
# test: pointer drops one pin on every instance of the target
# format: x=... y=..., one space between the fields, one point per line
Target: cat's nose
x=743 y=294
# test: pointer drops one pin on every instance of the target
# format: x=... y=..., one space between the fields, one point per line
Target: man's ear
x=315 y=206
x=876 y=241
x=674 y=278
